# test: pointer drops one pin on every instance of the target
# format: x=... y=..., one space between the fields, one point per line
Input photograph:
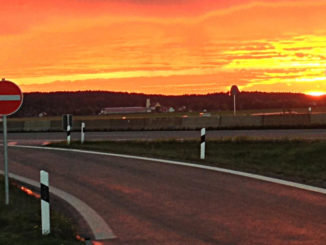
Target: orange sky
x=165 y=47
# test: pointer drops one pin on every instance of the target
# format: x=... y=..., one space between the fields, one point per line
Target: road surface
x=39 y=138
x=147 y=202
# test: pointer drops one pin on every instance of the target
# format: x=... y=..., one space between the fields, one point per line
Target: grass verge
x=296 y=160
x=20 y=222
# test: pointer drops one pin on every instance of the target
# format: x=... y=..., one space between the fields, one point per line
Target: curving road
x=39 y=138
x=147 y=202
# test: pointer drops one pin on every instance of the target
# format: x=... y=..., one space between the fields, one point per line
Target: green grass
x=20 y=222
x=174 y=114
x=297 y=160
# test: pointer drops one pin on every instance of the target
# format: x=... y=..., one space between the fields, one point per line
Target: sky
x=170 y=47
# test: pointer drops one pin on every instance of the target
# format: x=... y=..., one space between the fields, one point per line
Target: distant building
x=157 y=107
x=134 y=109
x=123 y=110
x=171 y=109
x=182 y=108
x=42 y=114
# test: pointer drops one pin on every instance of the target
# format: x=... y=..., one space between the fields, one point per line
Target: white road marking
x=193 y=165
x=97 y=224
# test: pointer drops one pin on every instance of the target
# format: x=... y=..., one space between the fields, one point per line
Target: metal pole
x=234 y=106
x=5 y=154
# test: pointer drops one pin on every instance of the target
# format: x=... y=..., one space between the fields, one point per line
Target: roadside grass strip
x=294 y=163
x=98 y=226
x=20 y=222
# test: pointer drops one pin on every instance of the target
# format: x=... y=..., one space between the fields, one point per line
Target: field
x=273 y=118
x=20 y=222
x=296 y=160
x=176 y=114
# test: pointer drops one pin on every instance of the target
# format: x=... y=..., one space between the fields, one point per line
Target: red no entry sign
x=11 y=97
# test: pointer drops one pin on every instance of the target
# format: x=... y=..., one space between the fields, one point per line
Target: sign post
x=66 y=120
x=5 y=155
x=11 y=98
x=234 y=92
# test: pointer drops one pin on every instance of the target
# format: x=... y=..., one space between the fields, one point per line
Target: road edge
x=100 y=229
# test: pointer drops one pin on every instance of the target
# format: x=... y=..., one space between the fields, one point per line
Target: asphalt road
x=154 y=203
x=39 y=138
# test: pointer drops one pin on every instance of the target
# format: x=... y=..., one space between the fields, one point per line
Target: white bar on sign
x=9 y=97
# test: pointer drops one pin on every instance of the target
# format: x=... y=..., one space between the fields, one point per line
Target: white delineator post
x=68 y=134
x=82 y=135
x=45 y=202
x=202 y=143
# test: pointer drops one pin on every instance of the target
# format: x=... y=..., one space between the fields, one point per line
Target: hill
x=91 y=102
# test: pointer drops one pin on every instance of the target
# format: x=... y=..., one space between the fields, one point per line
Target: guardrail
x=172 y=123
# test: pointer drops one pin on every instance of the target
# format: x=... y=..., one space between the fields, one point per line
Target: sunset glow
x=165 y=47
x=316 y=94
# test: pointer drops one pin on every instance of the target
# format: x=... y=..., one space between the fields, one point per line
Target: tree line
x=92 y=102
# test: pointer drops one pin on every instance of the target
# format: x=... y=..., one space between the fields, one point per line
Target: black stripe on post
x=45 y=195
x=202 y=138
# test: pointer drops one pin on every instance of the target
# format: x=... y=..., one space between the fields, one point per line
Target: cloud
x=181 y=44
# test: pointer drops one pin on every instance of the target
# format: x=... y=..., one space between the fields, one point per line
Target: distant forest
x=91 y=102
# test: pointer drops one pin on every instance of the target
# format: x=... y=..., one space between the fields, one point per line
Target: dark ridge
x=91 y=102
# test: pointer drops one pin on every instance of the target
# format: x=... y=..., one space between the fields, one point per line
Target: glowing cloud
x=169 y=47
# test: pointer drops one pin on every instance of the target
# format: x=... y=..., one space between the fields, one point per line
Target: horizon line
x=313 y=94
